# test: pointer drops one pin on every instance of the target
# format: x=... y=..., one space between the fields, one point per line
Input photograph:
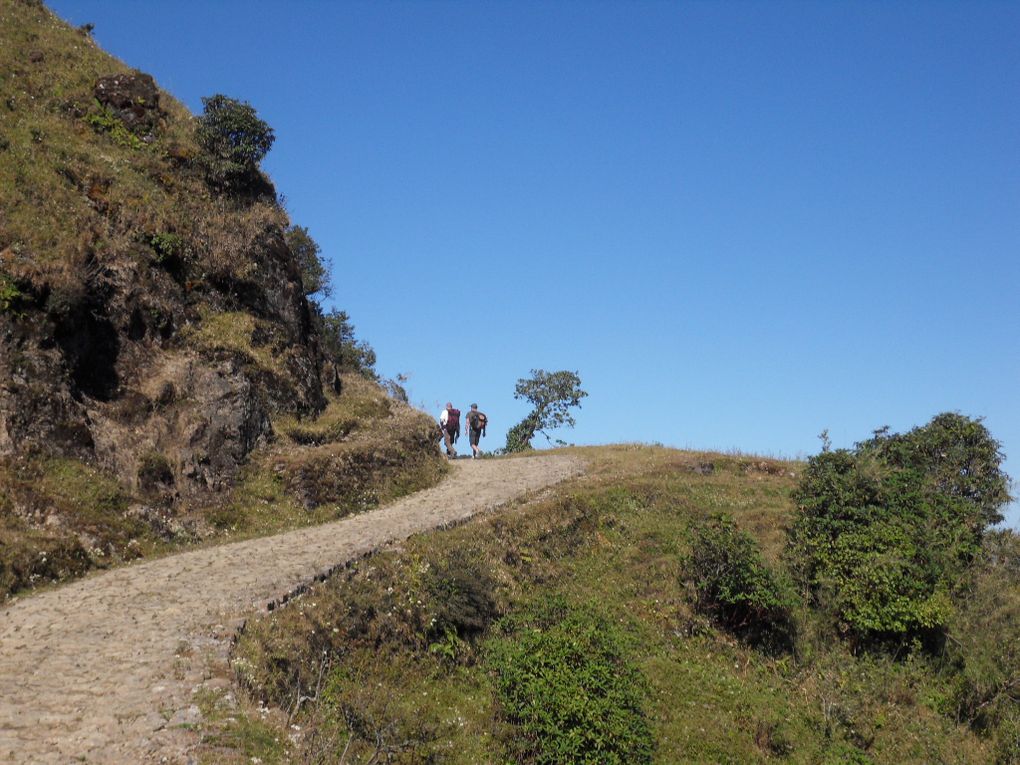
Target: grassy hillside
x=164 y=379
x=413 y=655
x=67 y=163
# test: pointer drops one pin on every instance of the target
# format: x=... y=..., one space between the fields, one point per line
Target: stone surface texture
x=103 y=670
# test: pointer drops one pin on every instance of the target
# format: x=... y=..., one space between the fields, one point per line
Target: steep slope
x=152 y=323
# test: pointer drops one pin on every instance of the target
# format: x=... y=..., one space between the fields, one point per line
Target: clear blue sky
x=740 y=222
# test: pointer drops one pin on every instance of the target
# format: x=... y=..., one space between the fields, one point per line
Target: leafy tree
x=235 y=141
x=341 y=346
x=551 y=394
x=886 y=530
x=955 y=457
x=314 y=273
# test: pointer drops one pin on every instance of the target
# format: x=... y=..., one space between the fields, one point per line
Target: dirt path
x=93 y=671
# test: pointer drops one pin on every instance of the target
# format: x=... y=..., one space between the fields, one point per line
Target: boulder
x=133 y=98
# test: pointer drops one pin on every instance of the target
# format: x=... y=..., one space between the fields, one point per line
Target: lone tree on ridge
x=551 y=395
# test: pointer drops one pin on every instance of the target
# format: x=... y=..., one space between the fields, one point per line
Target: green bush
x=957 y=464
x=886 y=530
x=518 y=438
x=10 y=295
x=1007 y=740
x=464 y=593
x=235 y=141
x=340 y=345
x=733 y=584
x=105 y=121
x=167 y=246
x=314 y=274
x=567 y=690
x=845 y=754
x=983 y=650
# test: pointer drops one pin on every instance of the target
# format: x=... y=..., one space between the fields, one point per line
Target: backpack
x=453 y=421
x=478 y=420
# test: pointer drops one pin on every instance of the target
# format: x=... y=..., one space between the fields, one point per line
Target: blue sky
x=741 y=223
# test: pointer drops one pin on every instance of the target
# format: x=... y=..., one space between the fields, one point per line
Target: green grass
x=230 y=735
x=616 y=538
x=60 y=518
x=60 y=148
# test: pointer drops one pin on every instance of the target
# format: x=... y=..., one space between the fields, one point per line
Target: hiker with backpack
x=449 y=423
x=474 y=429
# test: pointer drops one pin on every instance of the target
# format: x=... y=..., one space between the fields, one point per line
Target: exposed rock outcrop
x=154 y=326
x=132 y=98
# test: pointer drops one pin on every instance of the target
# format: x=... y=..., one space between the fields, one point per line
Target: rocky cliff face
x=162 y=374
x=158 y=321
x=124 y=370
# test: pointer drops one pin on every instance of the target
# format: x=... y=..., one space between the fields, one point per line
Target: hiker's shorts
x=473 y=436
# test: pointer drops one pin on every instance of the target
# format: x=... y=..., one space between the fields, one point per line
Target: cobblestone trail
x=93 y=671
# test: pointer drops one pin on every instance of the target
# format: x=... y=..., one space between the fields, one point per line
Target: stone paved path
x=91 y=672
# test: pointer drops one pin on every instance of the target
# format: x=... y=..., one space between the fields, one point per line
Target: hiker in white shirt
x=449 y=421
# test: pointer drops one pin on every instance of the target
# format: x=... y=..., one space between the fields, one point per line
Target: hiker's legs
x=448 y=440
x=473 y=436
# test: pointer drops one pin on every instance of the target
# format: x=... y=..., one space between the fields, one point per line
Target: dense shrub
x=314 y=273
x=567 y=689
x=518 y=438
x=167 y=246
x=341 y=346
x=886 y=530
x=983 y=650
x=733 y=584
x=10 y=295
x=361 y=719
x=463 y=592
x=958 y=465
x=1007 y=740
x=235 y=141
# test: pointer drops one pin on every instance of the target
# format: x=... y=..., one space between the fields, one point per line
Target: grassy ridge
x=358 y=663
x=62 y=171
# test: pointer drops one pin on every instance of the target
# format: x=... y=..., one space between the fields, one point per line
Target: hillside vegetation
x=165 y=380
x=164 y=377
x=646 y=612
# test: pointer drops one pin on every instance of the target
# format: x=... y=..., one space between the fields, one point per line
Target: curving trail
x=93 y=671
